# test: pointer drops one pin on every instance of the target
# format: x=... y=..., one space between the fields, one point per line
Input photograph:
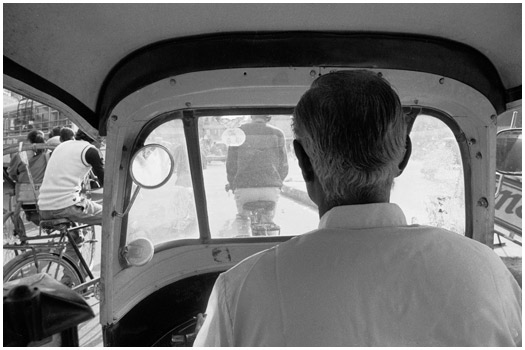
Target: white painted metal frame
x=272 y=87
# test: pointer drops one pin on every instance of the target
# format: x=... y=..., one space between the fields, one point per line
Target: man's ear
x=406 y=157
x=304 y=161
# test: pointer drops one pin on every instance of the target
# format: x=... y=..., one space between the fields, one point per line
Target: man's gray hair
x=352 y=127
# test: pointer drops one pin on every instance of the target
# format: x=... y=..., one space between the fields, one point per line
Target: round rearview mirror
x=151 y=166
x=508 y=152
x=138 y=252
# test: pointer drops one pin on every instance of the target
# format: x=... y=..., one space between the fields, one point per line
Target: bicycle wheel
x=12 y=224
x=24 y=265
x=88 y=246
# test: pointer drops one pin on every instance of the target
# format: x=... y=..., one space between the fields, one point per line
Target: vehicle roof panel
x=75 y=46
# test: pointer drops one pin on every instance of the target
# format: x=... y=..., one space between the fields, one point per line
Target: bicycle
x=24 y=257
x=13 y=223
x=34 y=257
x=257 y=210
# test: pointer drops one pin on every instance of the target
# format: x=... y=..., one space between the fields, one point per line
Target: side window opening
x=166 y=213
x=431 y=189
x=508 y=207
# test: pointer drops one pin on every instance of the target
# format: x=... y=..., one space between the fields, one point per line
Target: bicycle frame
x=51 y=245
x=257 y=209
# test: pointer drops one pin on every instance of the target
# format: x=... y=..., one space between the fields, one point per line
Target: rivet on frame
x=173 y=82
x=442 y=81
x=188 y=104
x=483 y=202
x=114 y=118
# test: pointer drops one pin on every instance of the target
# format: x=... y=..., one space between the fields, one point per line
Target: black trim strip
x=191 y=131
x=421 y=53
x=513 y=94
x=23 y=74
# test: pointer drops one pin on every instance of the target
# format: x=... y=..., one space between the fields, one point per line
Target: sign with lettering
x=508 y=207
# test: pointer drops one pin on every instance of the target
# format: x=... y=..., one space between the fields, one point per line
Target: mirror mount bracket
x=138 y=252
x=130 y=204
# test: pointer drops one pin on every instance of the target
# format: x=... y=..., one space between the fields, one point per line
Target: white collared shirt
x=366 y=278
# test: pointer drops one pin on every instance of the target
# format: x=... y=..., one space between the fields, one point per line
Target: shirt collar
x=363 y=216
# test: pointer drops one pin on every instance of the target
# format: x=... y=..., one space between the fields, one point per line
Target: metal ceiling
x=75 y=46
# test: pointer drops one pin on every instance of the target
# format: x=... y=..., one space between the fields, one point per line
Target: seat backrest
x=266 y=205
x=25 y=194
x=55 y=223
x=8 y=184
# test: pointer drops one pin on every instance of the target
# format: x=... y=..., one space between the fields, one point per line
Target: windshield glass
x=254 y=186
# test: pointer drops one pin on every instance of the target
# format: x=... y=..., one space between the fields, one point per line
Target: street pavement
x=90 y=332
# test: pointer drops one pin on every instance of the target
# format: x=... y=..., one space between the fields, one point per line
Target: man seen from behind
x=364 y=277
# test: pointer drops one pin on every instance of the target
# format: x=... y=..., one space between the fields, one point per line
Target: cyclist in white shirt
x=61 y=190
x=61 y=193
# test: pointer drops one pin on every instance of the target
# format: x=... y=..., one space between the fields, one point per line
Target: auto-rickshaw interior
x=168 y=85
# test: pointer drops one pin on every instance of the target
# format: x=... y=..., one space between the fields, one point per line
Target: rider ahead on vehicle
x=257 y=168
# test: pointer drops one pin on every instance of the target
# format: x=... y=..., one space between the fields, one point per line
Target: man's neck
x=318 y=196
x=324 y=206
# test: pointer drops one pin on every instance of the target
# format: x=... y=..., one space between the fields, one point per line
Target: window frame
x=413 y=113
x=190 y=119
